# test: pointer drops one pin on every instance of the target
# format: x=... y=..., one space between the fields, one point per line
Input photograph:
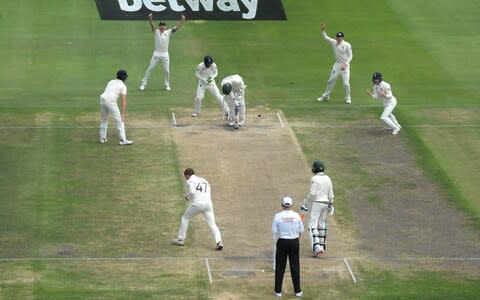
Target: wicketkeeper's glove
x=304 y=208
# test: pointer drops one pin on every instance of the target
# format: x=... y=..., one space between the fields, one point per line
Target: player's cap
x=287 y=202
x=162 y=23
x=339 y=34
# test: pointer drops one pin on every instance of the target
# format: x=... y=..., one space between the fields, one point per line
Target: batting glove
x=304 y=208
x=330 y=210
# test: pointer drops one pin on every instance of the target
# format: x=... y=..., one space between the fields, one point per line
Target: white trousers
x=387 y=115
x=337 y=71
x=317 y=222
x=237 y=99
x=107 y=109
x=213 y=89
x=205 y=208
x=165 y=60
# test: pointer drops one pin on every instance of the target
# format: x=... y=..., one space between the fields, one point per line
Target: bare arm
x=179 y=23
x=150 y=21
x=123 y=110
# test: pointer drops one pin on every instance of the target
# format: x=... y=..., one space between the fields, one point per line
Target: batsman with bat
x=320 y=200
x=233 y=89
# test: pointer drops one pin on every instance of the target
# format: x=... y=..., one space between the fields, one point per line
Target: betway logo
x=192 y=9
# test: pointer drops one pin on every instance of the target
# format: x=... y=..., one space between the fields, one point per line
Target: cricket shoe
x=299 y=294
x=194 y=115
x=219 y=246
x=231 y=124
x=103 y=141
x=396 y=131
x=241 y=123
x=178 y=242
x=348 y=101
x=125 y=142
x=167 y=88
x=236 y=125
x=318 y=251
x=323 y=98
x=142 y=87
x=278 y=295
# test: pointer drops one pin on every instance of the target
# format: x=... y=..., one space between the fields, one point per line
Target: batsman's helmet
x=318 y=167
x=377 y=76
x=227 y=88
x=339 y=34
x=122 y=75
x=208 y=60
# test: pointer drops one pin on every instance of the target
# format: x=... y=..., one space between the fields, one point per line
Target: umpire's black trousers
x=287 y=248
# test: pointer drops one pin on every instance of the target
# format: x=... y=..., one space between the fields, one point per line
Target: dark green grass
x=63 y=196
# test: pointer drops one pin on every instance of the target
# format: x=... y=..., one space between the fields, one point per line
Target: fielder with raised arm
x=206 y=73
x=320 y=201
x=341 y=67
x=233 y=89
x=382 y=89
x=161 y=37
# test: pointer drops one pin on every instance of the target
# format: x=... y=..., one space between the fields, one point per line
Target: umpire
x=287 y=227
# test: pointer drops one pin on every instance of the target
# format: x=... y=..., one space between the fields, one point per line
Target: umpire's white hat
x=287 y=202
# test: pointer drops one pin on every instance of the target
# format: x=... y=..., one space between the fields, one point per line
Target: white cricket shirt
x=343 y=51
x=203 y=73
x=113 y=90
x=198 y=190
x=287 y=225
x=321 y=188
x=162 y=40
x=383 y=87
x=236 y=81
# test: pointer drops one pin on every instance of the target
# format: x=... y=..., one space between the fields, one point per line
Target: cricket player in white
x=233 y=89
x=320 y=200
x=108 y=106
x=341 y=67
x=382 y=89
x=199 y=194
x=161 y=36
x=206 y=73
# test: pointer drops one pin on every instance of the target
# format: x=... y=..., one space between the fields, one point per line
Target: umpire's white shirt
x=113 y=90
x=287 y=225
x=321 y=188
x=162 y=40
x=198 y=190
x=343 y=51
x=383 y=87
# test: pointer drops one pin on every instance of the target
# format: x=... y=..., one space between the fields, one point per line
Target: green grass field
x=63 y=197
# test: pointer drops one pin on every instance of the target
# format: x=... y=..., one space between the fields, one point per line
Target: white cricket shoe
x=125 y=142
x=167 y=88
x=219 y=245
x=396 y=131
x=323 y=98
x=195 y=115
x=142 y=87
x=178 y=242
x=241 y=123
x=299 y=294
x=318 y=251
x=103 y=141
x=278 y=295
x=231 y=123
x=349 y=101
